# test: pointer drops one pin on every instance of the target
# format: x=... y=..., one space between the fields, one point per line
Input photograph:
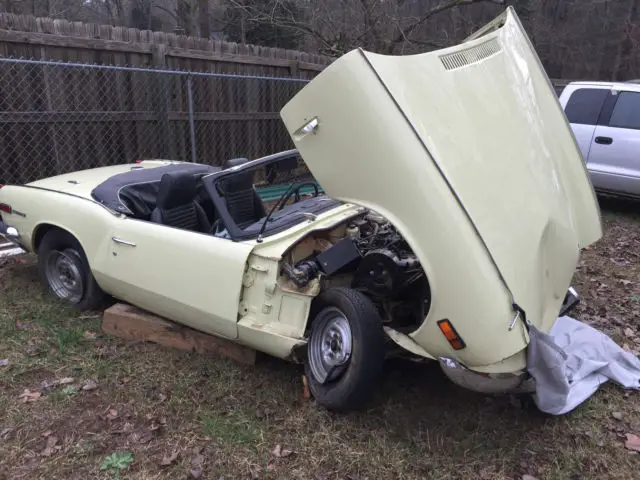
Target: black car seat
x=176 y=204
x=242 y=200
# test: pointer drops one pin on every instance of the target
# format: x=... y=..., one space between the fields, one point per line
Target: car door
x=614 y=156
x=582 y=106
x=188 y=277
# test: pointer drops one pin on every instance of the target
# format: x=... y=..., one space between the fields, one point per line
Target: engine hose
x=302 y=273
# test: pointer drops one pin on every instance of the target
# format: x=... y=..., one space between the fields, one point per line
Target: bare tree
x=595 y=39
x=340 y=25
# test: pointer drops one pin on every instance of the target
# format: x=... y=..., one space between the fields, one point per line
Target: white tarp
x=572 y=361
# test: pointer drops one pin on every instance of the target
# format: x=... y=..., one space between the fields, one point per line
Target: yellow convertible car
x=434 y=205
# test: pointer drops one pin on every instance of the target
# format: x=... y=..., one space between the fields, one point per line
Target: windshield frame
x=235 y=232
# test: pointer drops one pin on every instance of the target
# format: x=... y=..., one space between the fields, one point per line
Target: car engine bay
x=368 y=254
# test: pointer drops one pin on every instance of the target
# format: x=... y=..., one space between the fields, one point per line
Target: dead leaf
x=6 y=433
x=26 y=326
x=633 y=442
x=197 y=459
x=89 y=385
x=50 y=449
x=625 y=282
x=112 y=414
x=162 y=397
x=145 y=437
x=29 y=396
x=64 y=381
x=195 y=473
x=47 y=433
x=4 y=363
x=89 y=335
x=277 y=451
x=528 y=477
x=280 y=452
x=617 y=415
x=254 y=470
x=168 y=460
x=629 y=333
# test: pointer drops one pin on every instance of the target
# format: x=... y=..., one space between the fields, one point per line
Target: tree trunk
x=203 y=18
x=243 y=27
x=625 y=64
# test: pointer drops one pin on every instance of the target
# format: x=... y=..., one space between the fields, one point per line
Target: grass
x=238 y=429
x=224 y=420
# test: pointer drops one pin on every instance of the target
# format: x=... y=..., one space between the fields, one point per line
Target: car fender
x=88 y=221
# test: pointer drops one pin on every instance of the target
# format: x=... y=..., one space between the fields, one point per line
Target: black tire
x=91 y=297
x=355 y=386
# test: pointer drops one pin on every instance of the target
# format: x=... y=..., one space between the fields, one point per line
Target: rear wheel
x=64 y=269
x=345 y=350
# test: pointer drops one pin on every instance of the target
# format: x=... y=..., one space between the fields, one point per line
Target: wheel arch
x=93 y=297
x=41 y=229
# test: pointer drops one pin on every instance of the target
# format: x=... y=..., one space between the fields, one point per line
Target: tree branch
x=445 y=5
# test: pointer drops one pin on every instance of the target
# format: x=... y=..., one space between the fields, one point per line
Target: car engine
x=371 y=256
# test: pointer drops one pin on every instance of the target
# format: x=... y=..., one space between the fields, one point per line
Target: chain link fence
x=60 y=117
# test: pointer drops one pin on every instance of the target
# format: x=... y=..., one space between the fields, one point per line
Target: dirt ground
x=70 y=396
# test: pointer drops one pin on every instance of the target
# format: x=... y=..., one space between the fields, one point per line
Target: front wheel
x=64 y=269
x=345 y=352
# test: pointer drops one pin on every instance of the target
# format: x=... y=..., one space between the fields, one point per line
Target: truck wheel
x=64 y=269
x=345 y=350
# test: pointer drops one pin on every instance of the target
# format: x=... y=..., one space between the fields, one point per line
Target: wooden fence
x=57 y=117
x=118 y=96
x=53 y=39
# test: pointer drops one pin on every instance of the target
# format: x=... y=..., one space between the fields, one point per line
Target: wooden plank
x=62 y=34
x=52 y=79
x=126 y=129
x=34 y=38
x=241 y=59
x=131 y=323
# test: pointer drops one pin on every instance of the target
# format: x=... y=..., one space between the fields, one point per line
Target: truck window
x=626 y=113
x=584 y=105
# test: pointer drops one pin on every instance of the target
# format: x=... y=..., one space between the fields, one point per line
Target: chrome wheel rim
x=64 y=274
x=330 y=346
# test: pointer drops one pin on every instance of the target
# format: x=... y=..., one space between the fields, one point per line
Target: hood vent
x=453 y=61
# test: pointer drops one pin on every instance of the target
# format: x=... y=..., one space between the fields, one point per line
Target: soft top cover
x=134 y=193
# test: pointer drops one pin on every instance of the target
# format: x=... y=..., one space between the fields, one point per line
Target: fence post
x=192 y=128
x=158 y=53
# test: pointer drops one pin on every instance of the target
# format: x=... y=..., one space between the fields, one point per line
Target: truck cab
x=605 y=118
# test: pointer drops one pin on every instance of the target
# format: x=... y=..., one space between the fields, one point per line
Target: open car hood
x=485 y=114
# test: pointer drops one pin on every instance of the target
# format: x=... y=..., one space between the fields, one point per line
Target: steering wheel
x=296 y=191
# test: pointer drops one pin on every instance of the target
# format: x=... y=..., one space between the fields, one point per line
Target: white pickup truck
x=605 y=118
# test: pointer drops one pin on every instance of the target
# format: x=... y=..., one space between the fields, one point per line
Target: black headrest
x=176 y=189
x=238 y=182
x=234 y=162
